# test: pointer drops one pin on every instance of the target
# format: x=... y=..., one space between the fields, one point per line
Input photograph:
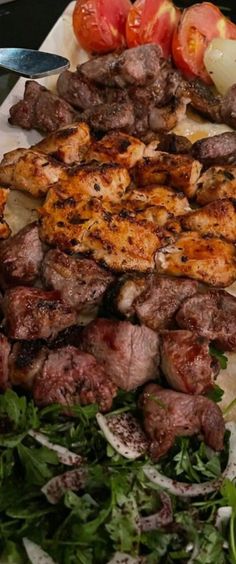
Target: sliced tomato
x=99 y=25
x=152 y=21
x=198 y=25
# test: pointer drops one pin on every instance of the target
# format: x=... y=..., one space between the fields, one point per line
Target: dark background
x=25 y=23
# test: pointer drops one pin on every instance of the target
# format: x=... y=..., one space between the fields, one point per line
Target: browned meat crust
x=216 y=150
x=21 y=257
x=168 y=414
x=187 y=363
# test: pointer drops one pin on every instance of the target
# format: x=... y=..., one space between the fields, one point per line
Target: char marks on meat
x=32 y=313
x=168 y=414
x=211 y=314
x=78 y=91
x=129 y=353
x=25 y=362
x=71 y=377
x=216 y=150
x=21 y=257
x=228 y=107
x=153 y=299
x=187 y=363
x=116 y=115
x=81 y=282
x=218 y=182
x=41 y=109
x=202 y=99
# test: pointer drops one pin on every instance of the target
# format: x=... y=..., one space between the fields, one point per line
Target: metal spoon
x=31 y=63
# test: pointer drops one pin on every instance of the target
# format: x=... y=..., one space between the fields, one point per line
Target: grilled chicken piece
x=217 y=150
x=117 y=147
x=187 y=363
x=4 y=358
x=70 y=377
x=168 y=414
x=81 y=282
x=179 y=171
x=216 y=183
x=166 y=118
x=175 y=203
x=129 y=353
x=30 y=171
x=211 y=314
x=88 y=226
x=217 y=218
x=25 y=363
x=5 y=230
x=169 y=143
x=41 y=109
x=106 y=181
x=210 y=260
x=32 y=313
x=68 y=144
x=21 y=257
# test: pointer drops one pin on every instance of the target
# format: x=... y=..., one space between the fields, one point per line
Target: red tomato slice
x=152 y=21
x=99 y=25
x=198 y=25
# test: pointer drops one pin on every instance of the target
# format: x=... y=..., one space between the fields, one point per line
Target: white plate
x=60 y=40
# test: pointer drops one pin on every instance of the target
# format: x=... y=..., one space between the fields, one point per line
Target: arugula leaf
x=223 y=360
x=215 y=394
x=36 y=462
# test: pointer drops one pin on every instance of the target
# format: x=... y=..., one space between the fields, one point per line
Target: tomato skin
x=99 y=25
x=152 y=21
x=198 y=25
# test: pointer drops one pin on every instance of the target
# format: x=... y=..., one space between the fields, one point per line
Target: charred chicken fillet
x=117 y=147
x=207 y=259
x=216 y=219
x=174 y=202
x=211 y=314
x=5 y=230
x=153 y=300
x=129 y=353
x=179 y=171
x=218 y=182
x=67 y=144
x=168 y=414
x=186 y=362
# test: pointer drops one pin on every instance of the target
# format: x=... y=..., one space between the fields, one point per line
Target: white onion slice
x=123 y=558
x=65 y=455
x=223 y=515
x=220 y=62
x=36 y=554
x=57 y=486
x=124 y=434
x=194 y=490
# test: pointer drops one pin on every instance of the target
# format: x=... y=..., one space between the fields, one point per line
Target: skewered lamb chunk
x=217 y=150
x=21 y=257
x=4 y=357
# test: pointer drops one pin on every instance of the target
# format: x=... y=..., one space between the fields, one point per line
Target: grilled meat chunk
x=217 y=150
x=30 y=171
x=217 y=218
x=25 y=362
x=81 y=282
x=68 y=144
x=137 y=66
x=228 y=107
x=153 y=299
x=117 y=147
x=211 y=314
x=179 y=171
x=88 y=226
x=78 y=90
x=166 y=118
x=175 y=203
x=167 y=143
x=168 y=414
x=108 y=116
x=32 y=313
x=129 y=353
x=187 y=363
x=41 y=109
x=207 y=259
x=203 y=99
x=4 y=358
x=21 y=257
x=71 y=377
x=216 y=183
